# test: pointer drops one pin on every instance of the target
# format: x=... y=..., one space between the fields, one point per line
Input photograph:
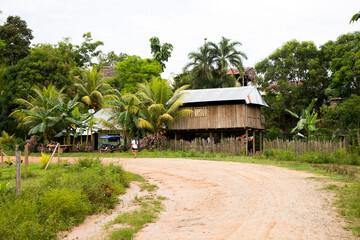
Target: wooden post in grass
x=57 y=145
x=26 y=151
x=2 y=159
x=18 y=170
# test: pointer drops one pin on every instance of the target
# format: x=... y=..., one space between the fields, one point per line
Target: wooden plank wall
x=222 y=117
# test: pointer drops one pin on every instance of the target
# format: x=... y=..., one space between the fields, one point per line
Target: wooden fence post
x=59 y=156
x=2 y=159
x=26 y=150
x=18 y=170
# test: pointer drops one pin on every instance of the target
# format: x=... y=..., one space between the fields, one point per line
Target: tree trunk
x=45 y=138
x=67 y=137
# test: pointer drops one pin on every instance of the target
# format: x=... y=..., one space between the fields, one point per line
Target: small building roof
x=249 y=94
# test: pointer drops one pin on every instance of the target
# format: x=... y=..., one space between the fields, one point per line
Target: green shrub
x=312 y=157
x=283 y=155
x=340 y=156
x=269 y=153
x=63 y=207
x=19 y=219
x=58 y=198
x=207 y=155
x=87 y=163
x=192 y=153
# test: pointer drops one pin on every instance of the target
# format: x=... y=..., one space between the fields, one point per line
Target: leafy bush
x=7 y=142
x=154 y=141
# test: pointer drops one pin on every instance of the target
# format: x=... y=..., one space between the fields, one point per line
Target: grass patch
x=349 y=204
x=149 y=209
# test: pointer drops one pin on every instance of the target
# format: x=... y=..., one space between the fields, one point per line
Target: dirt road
x=227 y=200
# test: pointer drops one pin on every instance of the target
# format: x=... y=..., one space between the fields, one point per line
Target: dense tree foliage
x=111 y=58
x=15 y=39
x=299 y=72
x=343 y=61
x=181 y=80
x=87 y=51
x=161 y=53
x=292 y=76
x=133 y=70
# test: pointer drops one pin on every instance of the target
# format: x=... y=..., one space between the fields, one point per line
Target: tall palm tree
x=44 y=99
x=161 y=105
x=70 y=116
x=126 y=112
x=227 y=56
x=201 y=67
x=40 y=120
x=93 y=88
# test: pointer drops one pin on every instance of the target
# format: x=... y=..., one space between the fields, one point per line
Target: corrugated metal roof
x=249 y=94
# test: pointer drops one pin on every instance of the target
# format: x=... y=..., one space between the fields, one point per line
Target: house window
x=198 y=112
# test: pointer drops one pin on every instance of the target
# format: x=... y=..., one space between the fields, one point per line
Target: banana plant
x=307 y=119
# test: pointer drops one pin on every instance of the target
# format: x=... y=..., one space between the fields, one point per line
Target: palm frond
x=146 y=125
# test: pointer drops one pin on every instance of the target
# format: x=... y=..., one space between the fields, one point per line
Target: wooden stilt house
x=221 y=112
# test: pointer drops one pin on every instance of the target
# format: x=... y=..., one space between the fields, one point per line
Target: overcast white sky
x=126 y=26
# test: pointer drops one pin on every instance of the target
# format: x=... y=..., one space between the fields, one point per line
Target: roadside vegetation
x=58 y=198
